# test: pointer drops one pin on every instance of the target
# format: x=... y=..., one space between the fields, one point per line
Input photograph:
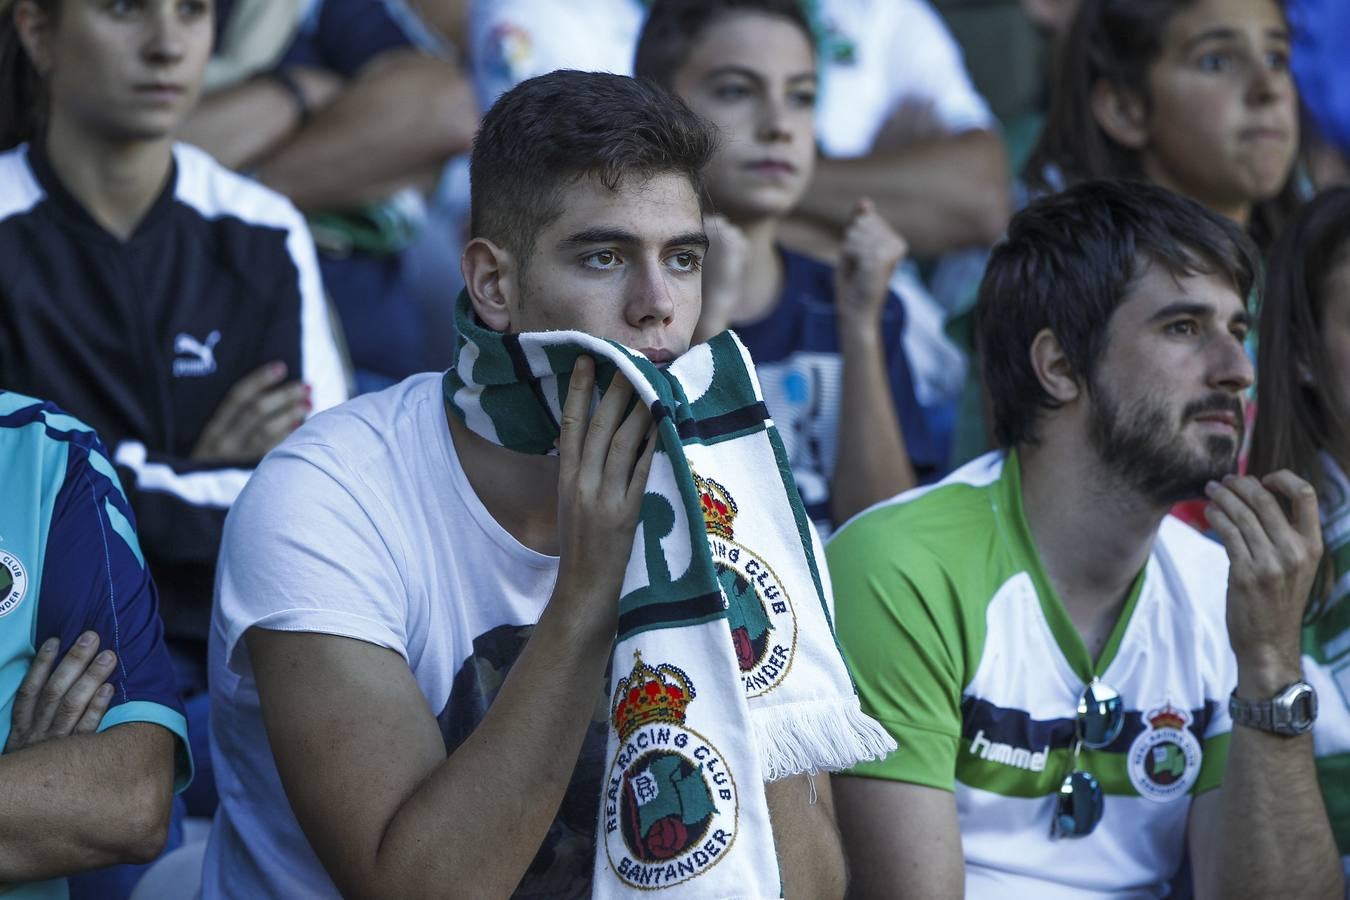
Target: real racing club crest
x=1164 y=760
x=759 y=611
x=13 y=583
x=670 y=805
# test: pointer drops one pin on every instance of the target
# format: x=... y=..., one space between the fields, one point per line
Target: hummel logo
x=202 y=359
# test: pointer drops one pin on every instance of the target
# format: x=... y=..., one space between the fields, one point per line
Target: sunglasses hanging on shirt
x=1079 y=803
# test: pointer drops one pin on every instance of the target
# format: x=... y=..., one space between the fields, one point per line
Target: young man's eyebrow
x=689 y=239
x=599 y=236
x=1198 y=310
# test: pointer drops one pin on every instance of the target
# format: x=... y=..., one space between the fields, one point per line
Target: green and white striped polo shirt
x=1326 y=663
x=962 y=649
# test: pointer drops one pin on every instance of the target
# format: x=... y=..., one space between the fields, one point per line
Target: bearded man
x=1062 y=663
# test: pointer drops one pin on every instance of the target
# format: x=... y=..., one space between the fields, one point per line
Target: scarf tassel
x=806 y=737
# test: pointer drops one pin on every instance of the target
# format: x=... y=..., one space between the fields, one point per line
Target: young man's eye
x=803 y=99
x=600 y=259
x=122 y=7
x=192 y=9
x=1186 y=328
x=686 y=261
x=1277 y=60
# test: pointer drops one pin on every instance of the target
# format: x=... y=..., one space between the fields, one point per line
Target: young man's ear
x=32 y=25
x=1121 y=113
x=1053 y=369
x=491 y=277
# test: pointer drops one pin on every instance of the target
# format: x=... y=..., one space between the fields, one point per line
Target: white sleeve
x=308 y=548
x=321 y=364
x=926 y=66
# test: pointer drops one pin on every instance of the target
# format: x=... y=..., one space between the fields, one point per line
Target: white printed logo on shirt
x=13 y=583
x=194 y=357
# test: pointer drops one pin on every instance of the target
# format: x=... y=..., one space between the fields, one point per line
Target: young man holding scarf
x=433 y=617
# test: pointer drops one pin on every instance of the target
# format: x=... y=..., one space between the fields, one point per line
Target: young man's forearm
x=873 y=463
x=85 y=801
x=942 y=194
x=394 y=123
x=1276 y=840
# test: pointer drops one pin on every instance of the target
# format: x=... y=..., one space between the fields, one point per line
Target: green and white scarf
x=725 y=671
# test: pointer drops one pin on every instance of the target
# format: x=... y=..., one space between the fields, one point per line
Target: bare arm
x=360 y=753
x=810 y=854
x=873 y=463
x=903 y=840
x=1265 y=833
x=85 y=801
x=242 y=124
x=393 y=125
x=941 y=194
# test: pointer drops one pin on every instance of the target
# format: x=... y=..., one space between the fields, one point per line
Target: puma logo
x=195 y=358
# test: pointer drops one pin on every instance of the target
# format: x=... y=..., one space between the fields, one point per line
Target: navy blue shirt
x=796 y=354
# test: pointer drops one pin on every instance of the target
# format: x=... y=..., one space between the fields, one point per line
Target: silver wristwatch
x=1291 y=711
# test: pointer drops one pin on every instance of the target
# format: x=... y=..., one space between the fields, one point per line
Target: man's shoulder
x=368 y=434
x=930 y=526
x=29 y=427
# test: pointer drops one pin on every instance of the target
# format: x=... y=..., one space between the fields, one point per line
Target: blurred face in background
x=1221 y=119
x=127 y=70
x=754 y=77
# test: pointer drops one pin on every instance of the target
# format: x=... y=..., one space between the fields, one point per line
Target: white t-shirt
x=363 y=525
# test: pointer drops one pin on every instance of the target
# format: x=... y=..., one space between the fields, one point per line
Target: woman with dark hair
x=173 y=305
x=1193 y=95
x=1304 y=426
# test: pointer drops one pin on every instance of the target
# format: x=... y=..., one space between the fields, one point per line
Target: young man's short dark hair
x=673 y=26
x=1067 y=263
x=550 y=131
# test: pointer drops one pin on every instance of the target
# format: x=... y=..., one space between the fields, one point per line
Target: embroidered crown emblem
x=650 y=695
x=1167 y=717
x=719 y=510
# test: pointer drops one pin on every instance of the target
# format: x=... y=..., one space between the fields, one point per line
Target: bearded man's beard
x=1148 y=450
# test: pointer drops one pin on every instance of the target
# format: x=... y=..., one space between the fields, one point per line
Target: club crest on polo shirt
x=670 y=804
x=759 y=611
x=1164 y=760
x=13 y=583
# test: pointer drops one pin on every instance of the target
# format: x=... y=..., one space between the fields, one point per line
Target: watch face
x=1303 y=710
x=1300 y=707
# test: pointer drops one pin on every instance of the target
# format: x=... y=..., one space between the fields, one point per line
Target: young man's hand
x=256 y=415
x=55 y=701
x=604 y=459
x=869 y=254
x=1273 y=558
x=723 y=276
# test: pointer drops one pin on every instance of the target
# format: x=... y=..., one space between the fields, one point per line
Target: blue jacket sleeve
x=95 y=579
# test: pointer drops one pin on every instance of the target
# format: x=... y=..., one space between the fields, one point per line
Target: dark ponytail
x=23 y=100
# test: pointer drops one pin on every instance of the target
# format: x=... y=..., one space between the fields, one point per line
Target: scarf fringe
x=806 y=737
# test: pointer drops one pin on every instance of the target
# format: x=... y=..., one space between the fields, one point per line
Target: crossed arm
x=942 y=194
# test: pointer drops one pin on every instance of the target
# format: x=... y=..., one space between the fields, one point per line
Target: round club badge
x=759 y=611
x=1164 y=760
x=13 y=583
x=670 y=807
